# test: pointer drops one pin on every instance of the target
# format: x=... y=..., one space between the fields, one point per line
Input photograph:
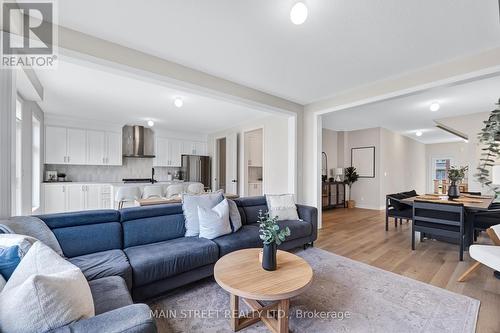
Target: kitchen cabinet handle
x=64 y=189
x=68 y=159
x=104 y=160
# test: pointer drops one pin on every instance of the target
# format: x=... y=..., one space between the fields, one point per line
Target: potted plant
x=455 y=175
x=351 y=176
x=272 y=236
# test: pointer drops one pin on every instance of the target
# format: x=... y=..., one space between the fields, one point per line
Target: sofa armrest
x=309 y=214
x=135 y=318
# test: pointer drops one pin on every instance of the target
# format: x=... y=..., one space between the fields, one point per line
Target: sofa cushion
x=72 y=219
x=214 y=222
x=85 y=239
x=298 y=229
x=190 y=204
x=250 y=207
x=157 y=261
x=109 y=293
x=9 y=259
x=246 y=237
x=103 y=264
x=282 y=206
x=234 y=215
x=146 y=225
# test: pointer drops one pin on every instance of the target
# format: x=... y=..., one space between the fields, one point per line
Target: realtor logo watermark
x=29 y=34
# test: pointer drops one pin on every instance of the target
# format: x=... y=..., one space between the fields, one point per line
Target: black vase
x=453 y=191
x=269 y=257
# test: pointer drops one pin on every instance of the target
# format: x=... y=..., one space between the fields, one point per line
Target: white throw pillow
x=234 y=215
x=190 y=204
x=44 y=292
x=283 y=206
x=214 y=222
x=24 y=242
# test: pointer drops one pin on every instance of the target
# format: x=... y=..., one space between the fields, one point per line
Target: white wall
x=399 y=163
x=330 y=147
x=277 y=162
x=402 y=164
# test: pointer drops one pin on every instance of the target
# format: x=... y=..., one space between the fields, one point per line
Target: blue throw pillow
x=9 y=259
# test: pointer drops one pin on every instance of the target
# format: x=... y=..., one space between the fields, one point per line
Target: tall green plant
x=489 y=137
x=351 y=176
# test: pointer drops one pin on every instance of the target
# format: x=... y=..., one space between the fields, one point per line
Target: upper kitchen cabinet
x=168 y=152
x=194 y=148
x=114 y=148
x=65 y=145
x=82 y=146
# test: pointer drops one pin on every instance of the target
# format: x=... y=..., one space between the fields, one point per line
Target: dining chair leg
x=461 y=256
x=396 y=222
x=400 y=221
x=413 y=236
x=468 y=272
x=386 y=222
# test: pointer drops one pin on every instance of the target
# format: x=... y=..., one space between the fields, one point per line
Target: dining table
x=472 y=205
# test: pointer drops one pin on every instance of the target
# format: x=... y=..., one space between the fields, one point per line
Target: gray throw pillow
x=234 y=215
x=190 y=204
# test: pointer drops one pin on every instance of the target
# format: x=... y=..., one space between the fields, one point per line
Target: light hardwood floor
x=360 y=234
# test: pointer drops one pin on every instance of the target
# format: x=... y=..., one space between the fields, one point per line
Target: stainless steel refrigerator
x=197 y=169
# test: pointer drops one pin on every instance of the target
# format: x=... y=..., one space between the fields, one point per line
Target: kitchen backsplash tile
x=131 y=168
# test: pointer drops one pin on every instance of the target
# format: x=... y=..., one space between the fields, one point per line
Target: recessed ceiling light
x=151 y=123
x=298 y=14
x=435 y=106
x=418 y=133
x=178 y=102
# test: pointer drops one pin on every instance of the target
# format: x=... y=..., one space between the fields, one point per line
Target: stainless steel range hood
x=138 y=142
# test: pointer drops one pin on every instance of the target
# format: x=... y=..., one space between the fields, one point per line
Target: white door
x=96 y=147
x=55 y=145
x=76 y=197
x=54 y=199
x=93 y=196
x=114 y=148
x=175 y=152
x=77 y=146
x=232 y=163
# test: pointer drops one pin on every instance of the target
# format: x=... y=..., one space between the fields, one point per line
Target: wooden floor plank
x=360 y=234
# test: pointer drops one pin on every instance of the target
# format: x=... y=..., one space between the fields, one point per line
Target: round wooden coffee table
x=241 y=274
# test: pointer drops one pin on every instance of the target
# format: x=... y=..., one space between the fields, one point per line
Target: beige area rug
x=345 y=296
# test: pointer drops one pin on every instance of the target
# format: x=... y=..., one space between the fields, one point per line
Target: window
x=18 y=208
x=439 y=173
x=35 y=199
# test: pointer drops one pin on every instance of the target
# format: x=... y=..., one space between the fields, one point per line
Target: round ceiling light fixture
x=435 y=106
x=418 y=133
x=178 y=102
x=298 y=14
x=151 y=123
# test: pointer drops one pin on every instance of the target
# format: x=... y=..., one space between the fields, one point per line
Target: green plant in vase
x=351 y=176
x=272 y=236
x=456 y=175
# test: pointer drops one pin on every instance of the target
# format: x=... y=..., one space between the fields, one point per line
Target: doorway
x=253 y=162
x=221 y=164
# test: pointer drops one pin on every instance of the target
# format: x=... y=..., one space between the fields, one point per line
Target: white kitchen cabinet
x=54 y=198
x=75 y=197
x=55 y=145
x=254 y=146
x=254 y=189
x=114 y=148
x=96 y=147
x=161 y=152
x=194 y=148
x=77 y=146
x=174 y=153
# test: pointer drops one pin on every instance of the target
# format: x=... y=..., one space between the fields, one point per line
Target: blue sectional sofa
x=146 y=245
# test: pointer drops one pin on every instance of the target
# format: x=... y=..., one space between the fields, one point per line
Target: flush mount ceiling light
x=151 y=123
x=298 y=14
x=178 y=102
x=435 y=106
x=418 y=133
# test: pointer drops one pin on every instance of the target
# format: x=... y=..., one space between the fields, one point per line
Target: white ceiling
x=342 y=45
x=89 y=93
x=406 y=115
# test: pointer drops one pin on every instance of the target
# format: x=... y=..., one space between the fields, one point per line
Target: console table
x=333 y=195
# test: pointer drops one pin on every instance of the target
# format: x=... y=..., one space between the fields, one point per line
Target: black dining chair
x=395 y=208
x=487 y=219
x=439 y=220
